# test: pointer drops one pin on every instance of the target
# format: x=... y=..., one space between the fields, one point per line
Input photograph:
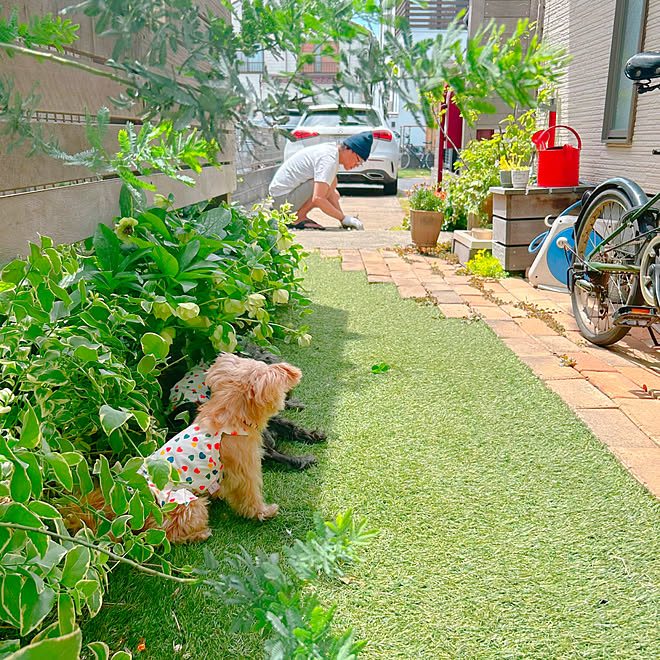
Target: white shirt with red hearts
x=195 y=454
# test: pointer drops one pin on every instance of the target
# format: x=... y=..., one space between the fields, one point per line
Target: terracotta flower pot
x=425 y=227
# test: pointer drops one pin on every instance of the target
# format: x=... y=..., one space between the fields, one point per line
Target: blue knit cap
x=360 y=144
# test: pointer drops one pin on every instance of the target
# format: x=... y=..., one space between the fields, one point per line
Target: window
x=627 y=39
x=252 y=64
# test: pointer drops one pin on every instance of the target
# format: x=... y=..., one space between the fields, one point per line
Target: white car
x=323 y=123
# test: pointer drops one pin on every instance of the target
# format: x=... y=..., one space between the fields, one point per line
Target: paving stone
x=422 y=268
x=411 y=291
x=379 y=271
x=525 y=346
x=463 y=289
x=352 y=265
x=491 y=313
x=405 y=279
x=585 y=361
x=379 y=279
x=614 y=384
x=641 y=377
x=514 y=312
x=578 y=394
x=548 y=367
x=399 y=266
x=608 y=355
x=534 y=326
x=577 y=339
x=434 y=282
x=557 y=343
x=496 y=288
x=445 y=296
x=351 y=254
x=614 y=428
x=508 y=329
x=458 y=280
x=645 y=413
x=417 y=258
x=452 y=311
x=329 y=254
x=478 y=300
x=643 y=463
x=567 y=321
x=515 y=285
x=505 y=298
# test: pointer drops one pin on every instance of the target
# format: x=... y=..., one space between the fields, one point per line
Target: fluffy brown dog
x=245 y=394
x=220 y=453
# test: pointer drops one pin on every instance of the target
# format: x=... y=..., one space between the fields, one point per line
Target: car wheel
x=391 y=187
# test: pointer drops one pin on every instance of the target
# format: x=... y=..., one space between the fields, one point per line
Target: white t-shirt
x=317 y=163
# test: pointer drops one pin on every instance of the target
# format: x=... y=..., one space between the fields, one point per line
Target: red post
x=441 y=136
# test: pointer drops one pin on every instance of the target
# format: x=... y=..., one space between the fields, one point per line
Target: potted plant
x=505 y=172
x=427 y=204
x=520 y=177
x=517 y=148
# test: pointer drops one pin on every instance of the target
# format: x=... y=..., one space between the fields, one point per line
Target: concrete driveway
x=381 y=214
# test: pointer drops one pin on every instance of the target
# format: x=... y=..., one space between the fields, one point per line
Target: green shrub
x=85 y=335
x=484 y=264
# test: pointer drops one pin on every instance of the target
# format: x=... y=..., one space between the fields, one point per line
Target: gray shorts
x=297 y=197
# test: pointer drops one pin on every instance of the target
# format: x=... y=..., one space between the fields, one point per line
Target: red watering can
x=558 y=166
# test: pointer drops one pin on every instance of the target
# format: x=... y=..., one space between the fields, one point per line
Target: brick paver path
x=608 y=388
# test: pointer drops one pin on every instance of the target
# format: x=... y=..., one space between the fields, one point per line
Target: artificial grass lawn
x=414 y=173
x=506 y=529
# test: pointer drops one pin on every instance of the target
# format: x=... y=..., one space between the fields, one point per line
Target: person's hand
x=349 y=222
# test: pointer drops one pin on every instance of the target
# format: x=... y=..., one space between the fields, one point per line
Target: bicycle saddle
x=643 y=66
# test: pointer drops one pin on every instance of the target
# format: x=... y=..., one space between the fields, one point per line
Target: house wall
x=587 y=34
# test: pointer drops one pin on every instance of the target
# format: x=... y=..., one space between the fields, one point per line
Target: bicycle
x=411 y=153
x=614 y=276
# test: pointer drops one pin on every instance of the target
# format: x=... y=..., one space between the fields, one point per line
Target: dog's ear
x=218 y=369
x=288 y=372
x=269 y=385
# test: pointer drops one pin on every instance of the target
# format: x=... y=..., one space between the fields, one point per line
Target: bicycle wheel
x=405 y=160
x=430 y=159
x=596 y=295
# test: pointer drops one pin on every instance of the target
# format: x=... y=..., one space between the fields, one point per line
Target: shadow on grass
x=183 y=621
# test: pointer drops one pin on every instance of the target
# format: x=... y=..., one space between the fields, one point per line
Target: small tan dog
x=220 y=453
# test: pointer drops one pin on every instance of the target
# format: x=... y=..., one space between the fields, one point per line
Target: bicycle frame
x=601 y=248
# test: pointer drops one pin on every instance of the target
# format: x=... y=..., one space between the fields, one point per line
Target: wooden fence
x=42 y=196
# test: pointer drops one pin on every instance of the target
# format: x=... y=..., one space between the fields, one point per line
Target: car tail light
x=301 y=135
x=383 y=135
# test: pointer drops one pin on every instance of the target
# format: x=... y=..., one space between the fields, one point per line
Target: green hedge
x=86 y=333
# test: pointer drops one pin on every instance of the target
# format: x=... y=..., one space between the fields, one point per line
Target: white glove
x=349 y=222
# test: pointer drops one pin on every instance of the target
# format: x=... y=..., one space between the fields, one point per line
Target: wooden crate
x=518 y=218
x=514 y=204
x=513 y=257
x=517 y=232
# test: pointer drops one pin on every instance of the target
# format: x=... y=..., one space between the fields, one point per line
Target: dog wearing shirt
x=190 y=391
x=219 y=454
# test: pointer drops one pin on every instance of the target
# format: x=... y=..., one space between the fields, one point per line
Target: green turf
x=506 y=529
x=414 y=173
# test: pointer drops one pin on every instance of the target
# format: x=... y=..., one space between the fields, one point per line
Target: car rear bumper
x=365 y=176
